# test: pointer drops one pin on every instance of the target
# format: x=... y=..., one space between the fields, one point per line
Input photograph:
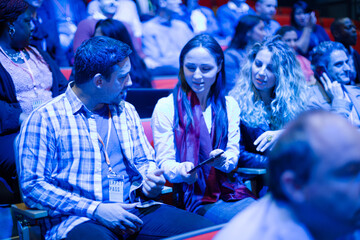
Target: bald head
x=315 y=166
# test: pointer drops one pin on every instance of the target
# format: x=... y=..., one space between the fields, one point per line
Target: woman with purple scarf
x=196 y=122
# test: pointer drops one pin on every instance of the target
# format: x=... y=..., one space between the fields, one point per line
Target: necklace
x=15 y=56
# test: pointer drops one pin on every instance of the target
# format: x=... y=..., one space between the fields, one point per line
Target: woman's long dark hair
x=217 y=90
x=302 y=5
x=140 y=76
x=246 y=23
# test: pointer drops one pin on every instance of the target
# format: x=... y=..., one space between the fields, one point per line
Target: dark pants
x=9 y=187
x=160 y=221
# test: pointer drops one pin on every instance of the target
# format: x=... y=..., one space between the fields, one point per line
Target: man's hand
x=154 y=183
x=332 y=89
x=116 y=217
x=266 y=140
x=185 y=167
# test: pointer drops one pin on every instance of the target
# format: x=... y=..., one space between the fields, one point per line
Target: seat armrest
x=21 y=208
x=252 y=171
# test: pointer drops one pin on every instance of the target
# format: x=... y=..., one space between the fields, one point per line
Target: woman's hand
x=266 y=140
x=220 y=161
x=185 y=167
x=311 y=20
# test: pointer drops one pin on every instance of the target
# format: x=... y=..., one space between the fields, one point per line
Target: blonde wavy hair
x=290 y=91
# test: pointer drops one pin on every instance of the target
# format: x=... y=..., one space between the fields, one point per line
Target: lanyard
x=107 y=159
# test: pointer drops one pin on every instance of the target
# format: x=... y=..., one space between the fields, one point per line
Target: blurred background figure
x=250 y=30
x=331 y=91
x=126 y=12
x=271 y=91
x=194 y=123
x=202 y=19
x=140 y=76
x=344 y=31
x=45 y=35
x=28 y=76
x=313 y=171
x=229 y=14
x=309 y=33
x=289 y=36
x=102 y=9
x=163 y=38
x=68 y=15
x=266 y=9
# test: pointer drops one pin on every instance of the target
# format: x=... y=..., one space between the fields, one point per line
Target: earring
x=11 y=30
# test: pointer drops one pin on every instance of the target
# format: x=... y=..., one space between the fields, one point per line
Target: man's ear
x=291 y=187
x=98 y=80
x=336 y=34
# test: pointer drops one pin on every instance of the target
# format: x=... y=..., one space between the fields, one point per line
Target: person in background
x=45 y=35
x=344 y=31
x=309 y=33
x=289 y=36
x=331 y=91
x=195 y=122
x=201 y=19
x=85 y=158
x=271 y=91
x=28 y=76
x=266 y=9
x=250 y=30
x=140 y=76
x=105 y=9
x=163 y=38
x=68 y=15
x=126 y=12
x=313 y=170
x=229 y=14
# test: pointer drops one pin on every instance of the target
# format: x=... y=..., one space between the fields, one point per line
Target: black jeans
x=160 y=221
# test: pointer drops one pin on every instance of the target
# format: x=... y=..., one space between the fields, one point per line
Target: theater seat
x=202 y=234
x=282 y=19
x=66 y=71
x=164 y=82
x=145 y=99
x=326 y=22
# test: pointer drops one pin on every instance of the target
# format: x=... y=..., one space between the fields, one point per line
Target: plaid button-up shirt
x=60 y=160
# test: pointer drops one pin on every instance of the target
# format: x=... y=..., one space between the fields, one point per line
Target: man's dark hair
x=98 y=55
x=320 y=55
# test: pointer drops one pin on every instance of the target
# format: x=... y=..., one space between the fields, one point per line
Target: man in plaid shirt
x=84 y=157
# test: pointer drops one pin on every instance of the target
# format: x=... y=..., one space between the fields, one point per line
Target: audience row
x=84 y=156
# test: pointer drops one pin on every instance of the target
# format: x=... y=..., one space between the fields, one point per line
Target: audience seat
x=326 y=22
x=283 y=19
x=202 y=234
x=284 y=11
x=145 y=99
x=328 y=31
x=164 y=82
x=66 y=71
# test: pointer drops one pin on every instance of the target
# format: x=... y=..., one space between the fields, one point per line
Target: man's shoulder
x=265 y=219
x=353 y=89
x=274 y=23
